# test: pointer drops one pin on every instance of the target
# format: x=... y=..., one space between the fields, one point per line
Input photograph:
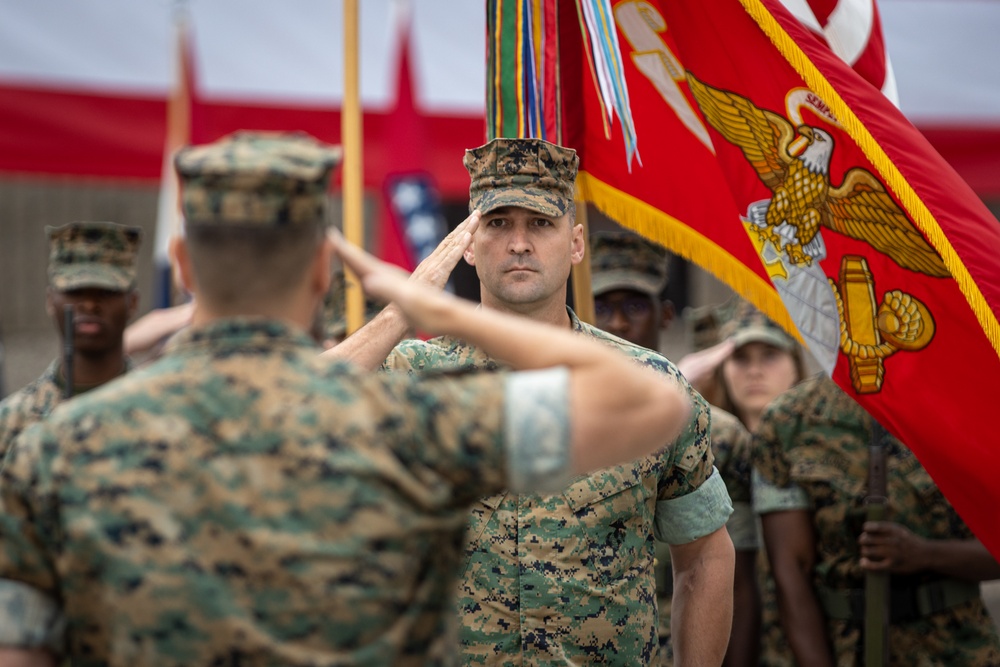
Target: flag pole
x=583 y=291
x=353 y=183
x=178 y=135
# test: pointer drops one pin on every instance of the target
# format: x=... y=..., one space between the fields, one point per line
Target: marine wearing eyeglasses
x=629 y=275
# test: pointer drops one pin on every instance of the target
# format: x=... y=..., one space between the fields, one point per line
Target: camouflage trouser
x=963 y=636
x=666 y=655
x=664 y=599
x=774 y=649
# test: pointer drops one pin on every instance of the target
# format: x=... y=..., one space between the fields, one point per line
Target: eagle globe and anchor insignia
x=793 y=161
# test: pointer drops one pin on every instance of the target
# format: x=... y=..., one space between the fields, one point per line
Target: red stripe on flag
x=871 y=64
x=550 y=64
x=49 y=132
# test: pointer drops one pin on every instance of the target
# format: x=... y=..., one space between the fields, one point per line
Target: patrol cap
x=256 y=179
x=702 y=324
x=334 y=307
x=624 y=260
x=93 y=254
x=529 y=173
x=749 y=325
x=334 y=313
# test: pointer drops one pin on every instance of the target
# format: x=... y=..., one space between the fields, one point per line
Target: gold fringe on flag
x=683 y=240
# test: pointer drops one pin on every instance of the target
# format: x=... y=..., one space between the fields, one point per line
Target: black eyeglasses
x=632 y=308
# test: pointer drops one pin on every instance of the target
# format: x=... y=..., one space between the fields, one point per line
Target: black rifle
x=68 y=329
x=877 y=583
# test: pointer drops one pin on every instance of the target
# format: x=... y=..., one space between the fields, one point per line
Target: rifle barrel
x=68 y=346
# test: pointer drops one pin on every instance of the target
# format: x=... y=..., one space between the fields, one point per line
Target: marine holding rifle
x=92 y=276
x=811 y=480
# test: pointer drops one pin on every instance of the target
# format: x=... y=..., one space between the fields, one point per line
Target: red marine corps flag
x=769 y=161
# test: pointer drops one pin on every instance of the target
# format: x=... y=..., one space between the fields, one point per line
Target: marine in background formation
x=91 y=270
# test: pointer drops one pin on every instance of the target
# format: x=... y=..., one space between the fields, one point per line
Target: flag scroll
x=770 y=162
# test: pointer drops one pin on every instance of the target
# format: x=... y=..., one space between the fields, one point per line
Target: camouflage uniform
x=31 y=404
x=742 y=323
x=81 y=255
x=731 y=447
x=811 y=454
x=241 y=501
x=331 y=320
x=568 y=578
x=627 y=261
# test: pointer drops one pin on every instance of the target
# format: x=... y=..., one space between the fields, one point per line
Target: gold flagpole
x=583 y=291
x=583 y=294
x=351 y=139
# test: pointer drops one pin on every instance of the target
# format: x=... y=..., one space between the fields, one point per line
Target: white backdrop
x=946 y=53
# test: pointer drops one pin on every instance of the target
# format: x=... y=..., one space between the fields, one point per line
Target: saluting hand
x=698 y=368
x=422 y=304
x=437 y=266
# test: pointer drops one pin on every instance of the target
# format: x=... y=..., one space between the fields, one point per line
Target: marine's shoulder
x=34 y=400
x=437 y=353
x=151 y=388
x=20 y=401
x=816 y=398
x=725 y=425
x=642 y=354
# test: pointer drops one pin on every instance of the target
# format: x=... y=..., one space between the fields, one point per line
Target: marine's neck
x=552 y=311
x=297 y=310
x=94 y=369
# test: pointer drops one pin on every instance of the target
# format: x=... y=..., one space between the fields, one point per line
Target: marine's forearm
x=371 y=344
x=702 y=609
x=18 y=657
x=962 y=559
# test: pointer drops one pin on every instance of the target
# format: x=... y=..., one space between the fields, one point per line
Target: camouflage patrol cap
x=702 y=324
x=623 y=260
x=749 y=325
x=93 y=254
x=256 y=179
x=334 y=314
x=529 y=173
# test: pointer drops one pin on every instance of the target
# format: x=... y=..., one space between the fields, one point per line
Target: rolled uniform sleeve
x=699 y=513
x=769 y=498
x=537 y=430
x=29 y=613
x=28 y=617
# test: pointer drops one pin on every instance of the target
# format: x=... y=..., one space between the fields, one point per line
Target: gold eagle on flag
x=800 y=182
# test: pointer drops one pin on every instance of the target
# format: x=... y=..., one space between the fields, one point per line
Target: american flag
x=853 y=30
